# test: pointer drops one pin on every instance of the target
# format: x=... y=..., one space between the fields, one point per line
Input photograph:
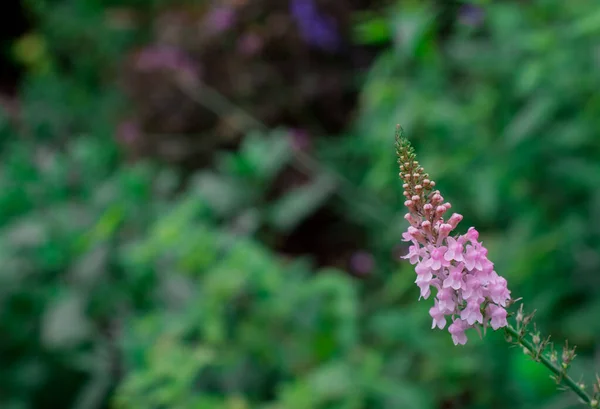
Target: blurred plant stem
x=560 y=372
x=214 y=101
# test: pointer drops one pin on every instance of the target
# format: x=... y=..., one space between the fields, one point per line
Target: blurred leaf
x=372 y=31
x=300 y=202
x=65 y=324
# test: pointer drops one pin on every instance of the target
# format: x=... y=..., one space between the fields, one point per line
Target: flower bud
x=454 y=220
x=472 y=234
x=416 y=198
x=426 y=226
x=411 y=219
x=444 y=230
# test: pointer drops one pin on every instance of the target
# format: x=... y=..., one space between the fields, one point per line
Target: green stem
x=565 y=379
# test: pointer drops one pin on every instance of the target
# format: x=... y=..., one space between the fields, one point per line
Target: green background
x=223 y=230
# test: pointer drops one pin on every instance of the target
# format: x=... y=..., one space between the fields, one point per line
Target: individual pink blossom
x=455 y=277
x=447 y=300
x=497 y=316
x=455 y=250
x=457 y=330
x=472 y=312
x=423 y=281
x=498 y=291
x=439 y=318
x=437 y=260
x=414 y=254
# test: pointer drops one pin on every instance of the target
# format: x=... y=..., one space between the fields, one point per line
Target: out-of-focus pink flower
x=220 y=19
x=250 y=44
x=362 y=262
x=300 y=140
x=128 y=132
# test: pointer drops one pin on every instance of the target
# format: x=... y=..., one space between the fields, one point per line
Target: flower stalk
x=559 y=372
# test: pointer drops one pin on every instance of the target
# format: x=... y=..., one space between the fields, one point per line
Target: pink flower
x=457 y=330
x=455 y=278
x=455 y=250
x=424 y=282
x=406 y=236
x=437 y=260
x=439 y=318
x=498 y=291
x=414 y=254
x=446 y=300
x=472 y=287
x=472 y=258
x=472 y=313
x=497 y=316
x=472 y=235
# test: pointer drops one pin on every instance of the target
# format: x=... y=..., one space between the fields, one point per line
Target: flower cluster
x=467 y=288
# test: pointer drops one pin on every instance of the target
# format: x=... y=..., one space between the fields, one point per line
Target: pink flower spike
x=457 y=330
x=456 y=269
x=439 y=318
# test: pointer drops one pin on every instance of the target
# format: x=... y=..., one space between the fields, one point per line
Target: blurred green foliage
x=132 y=285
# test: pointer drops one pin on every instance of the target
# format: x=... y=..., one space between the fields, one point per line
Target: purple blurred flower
x=316 y=29
x=128 y=132
x=362 y=262
x=250 y=43
x=471 y=15
x=300 y=139
x=220 y=19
